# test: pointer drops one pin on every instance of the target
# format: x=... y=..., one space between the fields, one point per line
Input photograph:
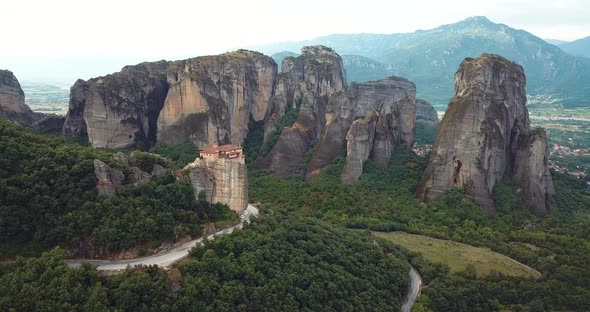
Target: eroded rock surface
x=208 y=100
x=222 y=181
x=360 y=139
x=308 y=80
x=212 y=99
x=118 y=110
x=485 y=136
x=391 y=103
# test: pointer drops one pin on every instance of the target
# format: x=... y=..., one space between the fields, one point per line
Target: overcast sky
x=176 y=28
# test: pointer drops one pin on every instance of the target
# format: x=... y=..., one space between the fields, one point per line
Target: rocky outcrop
x=328 y=108
x=107 y=179
x=12 y=101
x=75 y=125
x=212 y=99
x=426 y=113
x=49 y=124
x=535 y=185
x=208 y=100
x=118 y=110
x=138 y=176
x=310 y=80
x=221 y=180
x=360 y=139
x=391 y=103
x=484 y=137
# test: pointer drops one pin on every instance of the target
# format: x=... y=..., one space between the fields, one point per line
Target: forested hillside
x=308 y=250
x=48 y=197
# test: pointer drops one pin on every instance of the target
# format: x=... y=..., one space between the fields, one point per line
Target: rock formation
x=107 y=179
x=310 y=79
x=208 y=100
x=360 y=139
x=12 y=101
x=222 y=180
x=328 y=108
x=214 y=99
x=49 y=124
x=118 y=110
x=425 y=113
x=485 y=136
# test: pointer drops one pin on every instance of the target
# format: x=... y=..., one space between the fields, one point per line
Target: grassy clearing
x=458 y=256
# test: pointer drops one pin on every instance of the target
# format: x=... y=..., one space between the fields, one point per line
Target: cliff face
x=211 y=99
x=328 y=108
x=223 y=181
x=12 y=101
x=311 y=79
x=208 y=100
x=390 y=105
x=484 y=136
x=426 y=113
x=118 y=110
x=359 y=140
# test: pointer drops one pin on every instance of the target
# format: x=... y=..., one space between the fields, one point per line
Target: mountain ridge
x=430 y=57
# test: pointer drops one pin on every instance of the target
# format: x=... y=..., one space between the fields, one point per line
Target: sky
x=40 y=36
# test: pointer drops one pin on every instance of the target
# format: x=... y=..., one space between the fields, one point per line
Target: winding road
x=413 y=290
x=169 y=257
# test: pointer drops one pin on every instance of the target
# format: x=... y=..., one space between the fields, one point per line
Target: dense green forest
x=48 y=197
x=311 y=248
x=279 y=264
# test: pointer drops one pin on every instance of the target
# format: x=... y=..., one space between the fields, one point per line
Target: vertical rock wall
x=484 y=137
x=223 y=181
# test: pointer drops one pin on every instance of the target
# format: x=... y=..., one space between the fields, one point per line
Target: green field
x=458 y=256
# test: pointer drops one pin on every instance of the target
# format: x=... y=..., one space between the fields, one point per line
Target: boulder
x=107 y=179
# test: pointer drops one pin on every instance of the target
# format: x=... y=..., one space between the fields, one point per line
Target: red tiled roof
x=221 y=148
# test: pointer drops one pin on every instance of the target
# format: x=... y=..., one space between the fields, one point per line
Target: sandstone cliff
x=208 y=100
x=311 y=78
x=484 y=136
x=12 y=101
x=360 y=139
x=212 y=99
x=118 y=110
x=223 y=181
x=391 y=100
x=328 y=108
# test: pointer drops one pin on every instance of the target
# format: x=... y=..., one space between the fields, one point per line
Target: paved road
x=168 y=258
x=413 y=290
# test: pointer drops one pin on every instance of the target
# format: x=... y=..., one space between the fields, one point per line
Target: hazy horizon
x=63 y=40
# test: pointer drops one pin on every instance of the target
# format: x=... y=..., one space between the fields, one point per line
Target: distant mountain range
x=579 y=47
x=430 y=58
